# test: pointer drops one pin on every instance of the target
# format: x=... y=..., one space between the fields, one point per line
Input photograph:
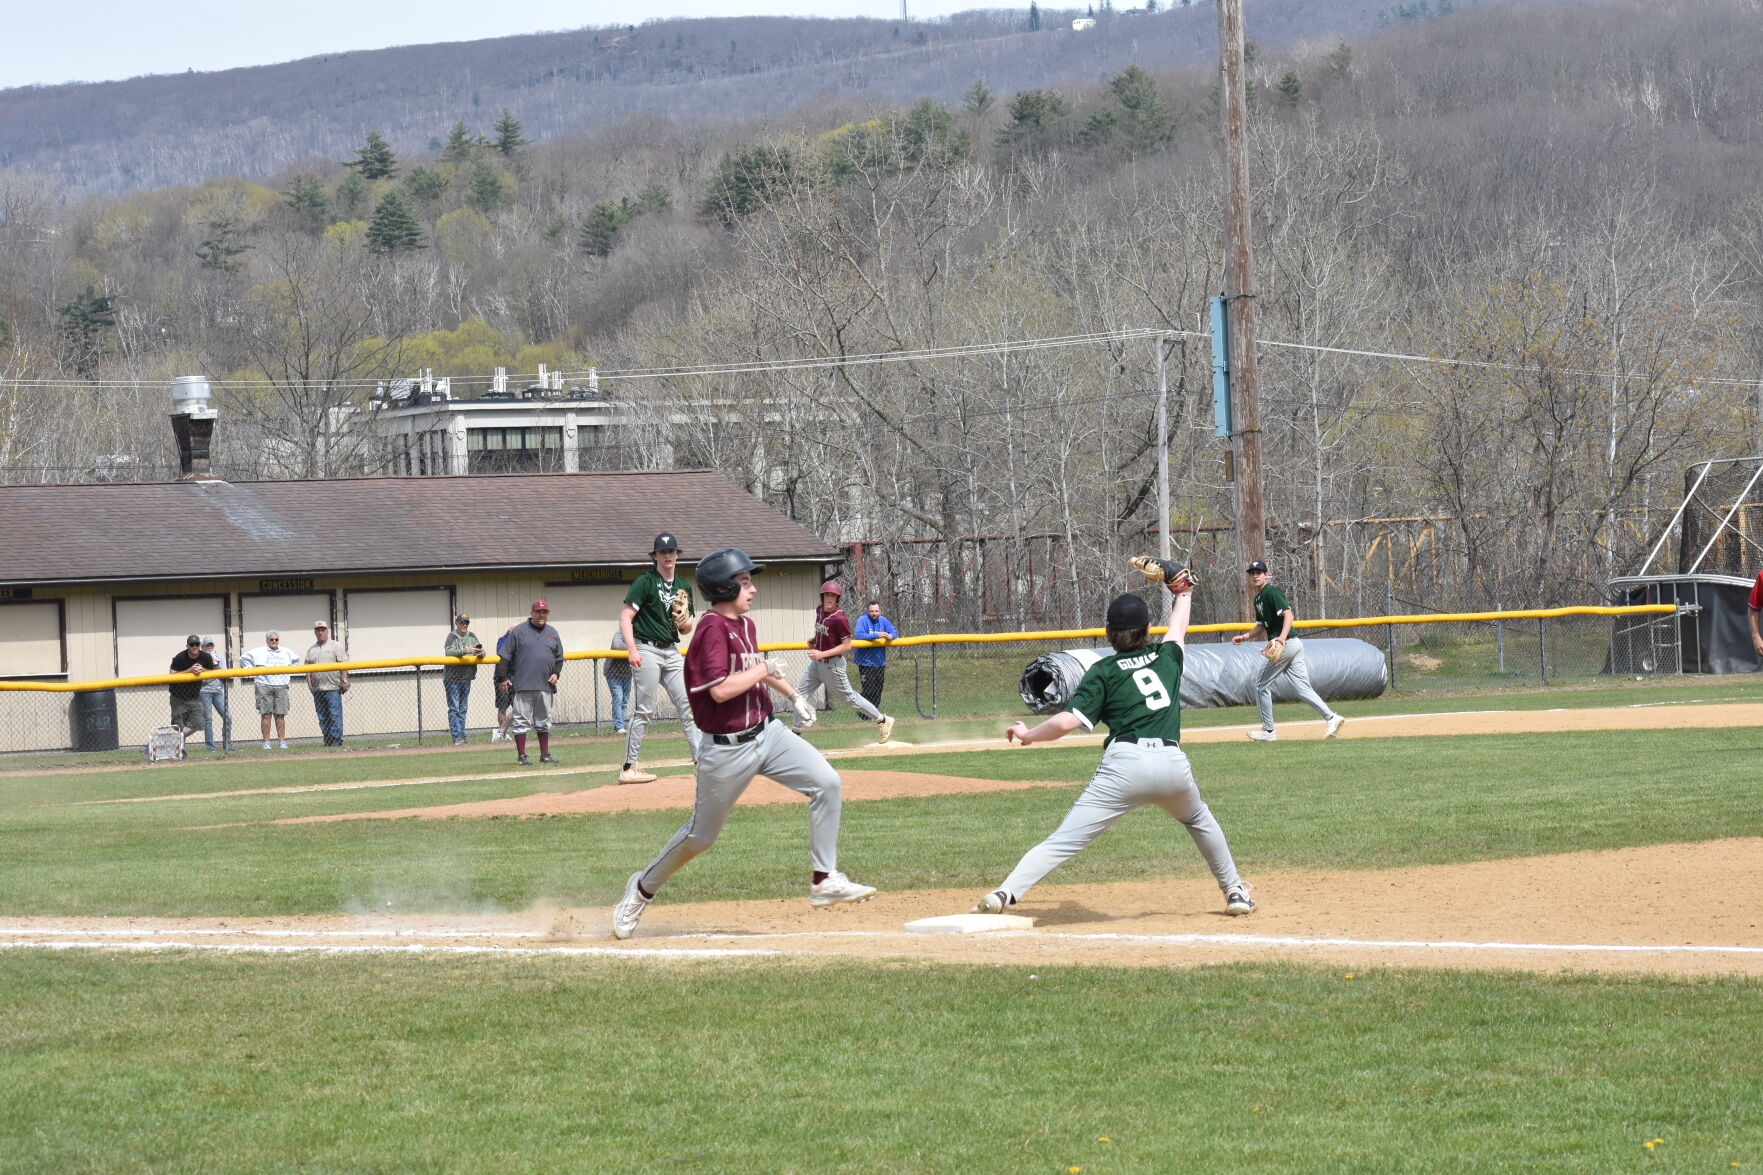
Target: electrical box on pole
x=1221 y=414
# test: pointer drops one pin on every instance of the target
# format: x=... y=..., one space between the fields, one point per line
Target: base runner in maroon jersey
x=727 y=679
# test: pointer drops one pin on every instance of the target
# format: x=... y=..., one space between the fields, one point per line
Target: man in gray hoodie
x=529 y=668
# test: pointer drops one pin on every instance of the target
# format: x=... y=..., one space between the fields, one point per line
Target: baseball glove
x=1274 y=650
x=681 y=607
x=1176 y=576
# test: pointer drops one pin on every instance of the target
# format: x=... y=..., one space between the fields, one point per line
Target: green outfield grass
x=1344 y=804
x=243 y=1064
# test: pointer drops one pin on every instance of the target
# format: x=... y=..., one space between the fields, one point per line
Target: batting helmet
x=831 y=587
x=717 y=571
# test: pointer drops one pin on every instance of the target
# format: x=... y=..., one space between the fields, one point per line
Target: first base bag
x=165 y=743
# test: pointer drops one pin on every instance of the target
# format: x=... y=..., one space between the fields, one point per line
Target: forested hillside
x=184 y=128
x=1549 y=216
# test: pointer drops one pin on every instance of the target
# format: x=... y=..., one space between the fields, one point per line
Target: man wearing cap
x=532 y=660
x=271 y=689
x=1283 y=653
x=657 y=613
x=328 y=686
x=826 y=661
x=457 y=679
x=214 y=699
x=186 y=696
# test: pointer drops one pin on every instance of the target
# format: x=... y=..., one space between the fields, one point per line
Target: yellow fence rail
x=961 y=638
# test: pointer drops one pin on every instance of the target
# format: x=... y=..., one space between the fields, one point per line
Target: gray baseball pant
x=724 y=773
x=1129 y=776
x=661 y=668
x=1295 y=666
x=831 y=673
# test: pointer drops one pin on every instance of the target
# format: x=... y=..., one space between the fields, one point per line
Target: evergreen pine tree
x=375 y=160
x=508 y=138
x=351 y=196
x=486 y=191
x=84 y=322
x=394 y=228
x=223 y=246
x=599 y=235
x=1148 y=122
x=1034 y=17
x=460 y=145
x=1290 y=86
x=307 y=201
x=978 y=99
x=425 y=184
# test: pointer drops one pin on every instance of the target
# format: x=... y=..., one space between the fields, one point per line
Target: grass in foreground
x=176 y=1063
x=1306 y=805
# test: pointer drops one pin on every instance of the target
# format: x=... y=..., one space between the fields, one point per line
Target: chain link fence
x=937 y=677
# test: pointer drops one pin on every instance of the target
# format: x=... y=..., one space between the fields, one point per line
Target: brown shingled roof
x=197 y=529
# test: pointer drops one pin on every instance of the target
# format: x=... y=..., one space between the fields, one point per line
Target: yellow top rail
x=946 y=638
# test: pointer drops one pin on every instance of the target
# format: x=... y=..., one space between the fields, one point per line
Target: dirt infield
x=1694 y=909
x=1668 y=909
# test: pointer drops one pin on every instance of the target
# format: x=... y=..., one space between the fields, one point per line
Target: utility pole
x=1164 y=546
x=1239 y=296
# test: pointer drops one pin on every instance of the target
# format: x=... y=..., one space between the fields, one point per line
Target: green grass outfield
x=174 y=1063
x=185 y=1062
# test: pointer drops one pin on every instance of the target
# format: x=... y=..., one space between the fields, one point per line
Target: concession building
x=101 y=581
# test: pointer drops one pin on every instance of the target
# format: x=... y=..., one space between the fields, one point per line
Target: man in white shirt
x=272 y=688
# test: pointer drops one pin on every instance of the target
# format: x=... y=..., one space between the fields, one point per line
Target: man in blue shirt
x=872 y=664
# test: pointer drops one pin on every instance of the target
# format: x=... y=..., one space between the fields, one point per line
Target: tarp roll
x=1220 y=674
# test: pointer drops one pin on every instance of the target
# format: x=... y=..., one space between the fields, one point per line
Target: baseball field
x=1499 y=931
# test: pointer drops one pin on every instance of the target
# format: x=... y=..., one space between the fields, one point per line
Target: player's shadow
x=1075 y=913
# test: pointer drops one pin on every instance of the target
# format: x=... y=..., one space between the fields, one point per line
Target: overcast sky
x=43 y=42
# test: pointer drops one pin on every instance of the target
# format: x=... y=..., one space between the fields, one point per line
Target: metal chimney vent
x=192 y=422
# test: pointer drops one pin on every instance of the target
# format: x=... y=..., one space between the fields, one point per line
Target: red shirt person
x=1756 y=603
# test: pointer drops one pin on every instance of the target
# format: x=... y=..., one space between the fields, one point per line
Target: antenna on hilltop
x=904 y=19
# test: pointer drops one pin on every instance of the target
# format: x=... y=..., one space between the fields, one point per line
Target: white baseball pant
x=1296 y=667
x=662 y=668
x=724 y=773
x=831 y=673
x=1129 y=776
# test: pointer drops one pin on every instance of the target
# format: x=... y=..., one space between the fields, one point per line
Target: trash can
x=93 y=716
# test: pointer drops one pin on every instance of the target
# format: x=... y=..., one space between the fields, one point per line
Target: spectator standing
x=504 y=698
x=618 y=684
x=657 y=613
x=271 y=689
x=457 y=679
x=529 y=670
x=328 y=686
x=872 y=664
x=215 y=699
x=186 y=696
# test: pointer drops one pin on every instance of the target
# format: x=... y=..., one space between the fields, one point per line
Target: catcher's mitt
x=681 y=606
x=1274 y=650
x=1176 y=576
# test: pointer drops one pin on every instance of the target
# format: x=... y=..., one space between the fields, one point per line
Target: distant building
x=1082 y=23
x=541 y=427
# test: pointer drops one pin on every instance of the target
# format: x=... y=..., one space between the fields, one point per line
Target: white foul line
x=363 y=949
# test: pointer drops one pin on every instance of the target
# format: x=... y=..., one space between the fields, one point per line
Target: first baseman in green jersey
x=657 y=613
x=1283 y=653
x=1136 y=694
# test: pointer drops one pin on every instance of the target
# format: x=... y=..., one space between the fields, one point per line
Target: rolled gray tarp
x=1221 y=674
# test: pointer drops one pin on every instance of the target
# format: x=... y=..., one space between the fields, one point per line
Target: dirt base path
x=1678 y=910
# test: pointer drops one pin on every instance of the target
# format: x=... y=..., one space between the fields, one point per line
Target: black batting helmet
x=717 y=571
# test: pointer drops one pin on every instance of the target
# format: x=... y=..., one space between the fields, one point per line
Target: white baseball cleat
x=837 y=888
x=1237 y=900
x=1263 y=736
x=993 y=903
x=629 y=910
x=886 y=725
x=1333 y=726
x=635 y=774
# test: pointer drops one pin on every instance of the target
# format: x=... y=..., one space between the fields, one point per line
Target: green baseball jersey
x=652 y=597
x=1269 y=603
x=1135 y=695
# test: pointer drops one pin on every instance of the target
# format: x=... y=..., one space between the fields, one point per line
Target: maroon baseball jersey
x=830 y=629
x=720 y=647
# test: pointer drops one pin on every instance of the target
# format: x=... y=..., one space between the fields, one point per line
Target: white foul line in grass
x=1276 y=940
x=403 y=948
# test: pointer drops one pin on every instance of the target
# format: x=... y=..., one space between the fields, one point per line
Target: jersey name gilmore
x=1135 y=695
x=720 y=647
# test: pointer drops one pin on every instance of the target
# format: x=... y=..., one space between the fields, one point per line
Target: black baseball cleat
x=1237 y=900
x=548 y=758
x=524 y=761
